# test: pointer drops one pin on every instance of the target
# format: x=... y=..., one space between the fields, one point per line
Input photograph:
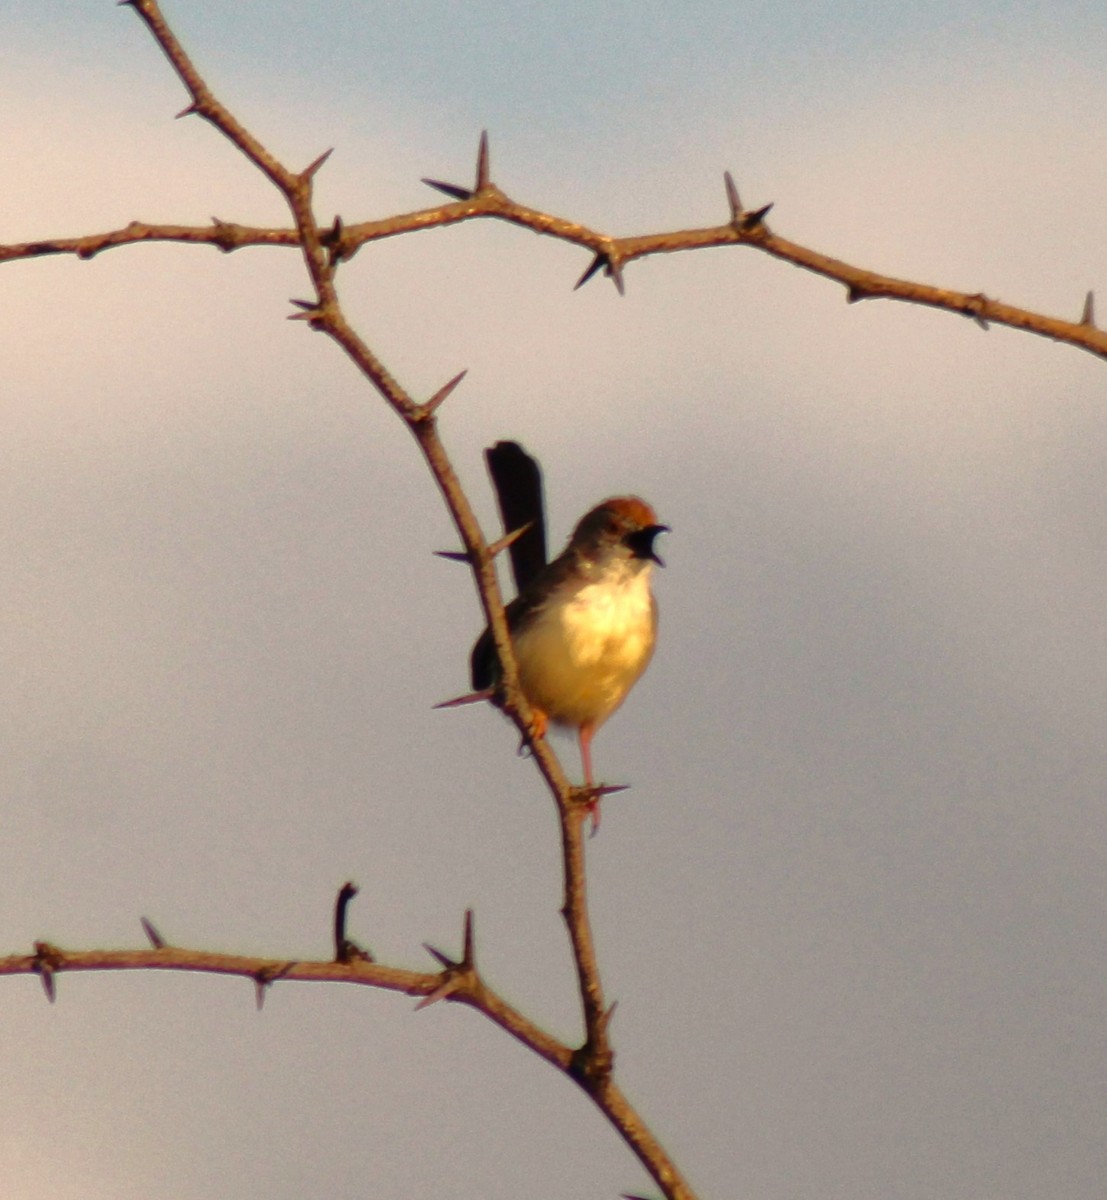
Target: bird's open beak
x=642 y=543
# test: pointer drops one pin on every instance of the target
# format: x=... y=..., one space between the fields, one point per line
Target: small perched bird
x=584 y=626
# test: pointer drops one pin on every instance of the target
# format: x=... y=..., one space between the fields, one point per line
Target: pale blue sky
x=852 y=907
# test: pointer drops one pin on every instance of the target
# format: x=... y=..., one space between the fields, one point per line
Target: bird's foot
x=590 y=795
x=539 y=724
x=537 y=728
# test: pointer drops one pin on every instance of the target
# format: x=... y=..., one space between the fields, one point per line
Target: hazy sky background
x=853 y=906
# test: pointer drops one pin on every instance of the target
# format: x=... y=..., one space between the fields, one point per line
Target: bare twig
x=344 y=948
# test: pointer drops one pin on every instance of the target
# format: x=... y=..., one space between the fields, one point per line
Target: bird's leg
x=584 y=736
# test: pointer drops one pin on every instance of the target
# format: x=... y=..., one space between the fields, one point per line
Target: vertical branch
x=594 y=1059
x=591 y=1065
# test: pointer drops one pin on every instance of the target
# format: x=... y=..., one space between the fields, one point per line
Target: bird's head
x=623 y=526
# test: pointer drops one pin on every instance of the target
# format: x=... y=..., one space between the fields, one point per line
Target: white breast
x=584 y=651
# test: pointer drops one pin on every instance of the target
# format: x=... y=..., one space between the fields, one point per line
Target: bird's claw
x=590 y=795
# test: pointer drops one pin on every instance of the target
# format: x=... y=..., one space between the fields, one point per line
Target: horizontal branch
x=461 y=986
x=52 y=960
x=223 y=235
x=344 y=240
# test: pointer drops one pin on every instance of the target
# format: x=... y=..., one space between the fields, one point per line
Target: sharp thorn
x=596 y=263
x=1088 y=316
x=508 y=539
x=468 y=953
x=442 y=393
x=443 y=959
x=311 y=311
x=449 y=189
x=461 y=556
x=469 y=698
x=615 y=270
x=606 y=789
x=482 y=162
x=732 y=198
x=155 y=938
x=46 y=957
x=267 y=976
x=334 y=241
x=440 y=993
x=189 y=109
x=310 y=170
x=751 y=220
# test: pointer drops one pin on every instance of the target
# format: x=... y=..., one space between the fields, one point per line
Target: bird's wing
x=484 y=662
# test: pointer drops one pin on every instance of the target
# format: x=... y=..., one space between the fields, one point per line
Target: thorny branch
x=324 y=250
x=459 y=980
x=466 y=987
x=325 y=247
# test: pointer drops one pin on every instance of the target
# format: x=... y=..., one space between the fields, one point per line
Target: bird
x=584 y=626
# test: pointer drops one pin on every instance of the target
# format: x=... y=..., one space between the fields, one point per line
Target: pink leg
x=585 y=738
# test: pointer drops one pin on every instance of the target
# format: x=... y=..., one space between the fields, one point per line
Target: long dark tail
x=517 y=478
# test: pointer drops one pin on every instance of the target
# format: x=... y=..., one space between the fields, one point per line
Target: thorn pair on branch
x=495 y=548
x=483 y=176
x=611 y=263
x=456 y=972
x=743 y=220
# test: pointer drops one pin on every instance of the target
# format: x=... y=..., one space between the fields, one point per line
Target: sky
x=852 y=905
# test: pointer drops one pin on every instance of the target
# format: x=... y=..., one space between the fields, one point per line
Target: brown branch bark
x=591 y=1064
x=460 y=982
x=464 y=987
x=342 y=241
